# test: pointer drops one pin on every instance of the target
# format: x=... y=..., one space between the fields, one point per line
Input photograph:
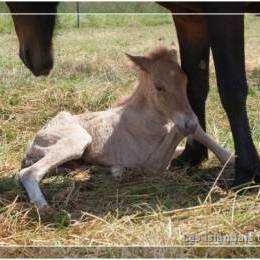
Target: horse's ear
x=142 y=62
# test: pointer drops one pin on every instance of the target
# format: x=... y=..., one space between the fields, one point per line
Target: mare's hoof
x=190 y=157
x=244 y=188
x=247 y=179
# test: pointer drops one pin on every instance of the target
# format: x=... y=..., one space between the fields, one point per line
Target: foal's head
x=165 y=85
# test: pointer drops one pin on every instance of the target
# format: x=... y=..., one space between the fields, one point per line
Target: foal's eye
x=159 y=88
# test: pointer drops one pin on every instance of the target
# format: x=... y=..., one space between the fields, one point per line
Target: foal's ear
x=142 y=62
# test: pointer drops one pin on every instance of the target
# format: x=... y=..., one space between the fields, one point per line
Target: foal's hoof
x=46 y=210
x=44 y=213
x=59 y=218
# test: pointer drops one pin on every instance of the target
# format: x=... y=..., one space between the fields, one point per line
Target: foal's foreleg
x=64 y=150
x=222 y=154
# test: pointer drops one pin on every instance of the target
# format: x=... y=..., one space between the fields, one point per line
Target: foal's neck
x=141 y=98
x=139 y=107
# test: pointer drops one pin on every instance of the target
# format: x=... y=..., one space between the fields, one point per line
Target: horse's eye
x=159 y=87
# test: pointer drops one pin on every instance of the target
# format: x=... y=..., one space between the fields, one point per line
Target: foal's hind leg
x=66 y=149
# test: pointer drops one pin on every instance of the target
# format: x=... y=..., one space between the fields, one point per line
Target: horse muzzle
x=40 y=63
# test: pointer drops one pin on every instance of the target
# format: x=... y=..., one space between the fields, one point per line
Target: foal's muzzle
x=187 y=125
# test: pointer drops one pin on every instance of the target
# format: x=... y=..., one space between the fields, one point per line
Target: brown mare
x=223 y=34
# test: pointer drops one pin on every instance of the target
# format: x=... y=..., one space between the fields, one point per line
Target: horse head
x=34 y=24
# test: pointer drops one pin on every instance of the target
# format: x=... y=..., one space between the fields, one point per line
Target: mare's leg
x=227 y=42
x=194 y=50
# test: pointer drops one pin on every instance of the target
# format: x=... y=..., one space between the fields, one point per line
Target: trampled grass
x=143 y=208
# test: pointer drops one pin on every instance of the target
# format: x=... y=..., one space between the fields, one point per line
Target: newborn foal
x=142 y=131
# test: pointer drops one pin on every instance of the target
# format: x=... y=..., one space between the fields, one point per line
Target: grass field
x=143 y=208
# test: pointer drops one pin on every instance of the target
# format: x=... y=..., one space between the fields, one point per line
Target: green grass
x=103 y=7
x=144 y=208
x=70 y=22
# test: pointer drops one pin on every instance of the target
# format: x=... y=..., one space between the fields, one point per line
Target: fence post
x=77 y=7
